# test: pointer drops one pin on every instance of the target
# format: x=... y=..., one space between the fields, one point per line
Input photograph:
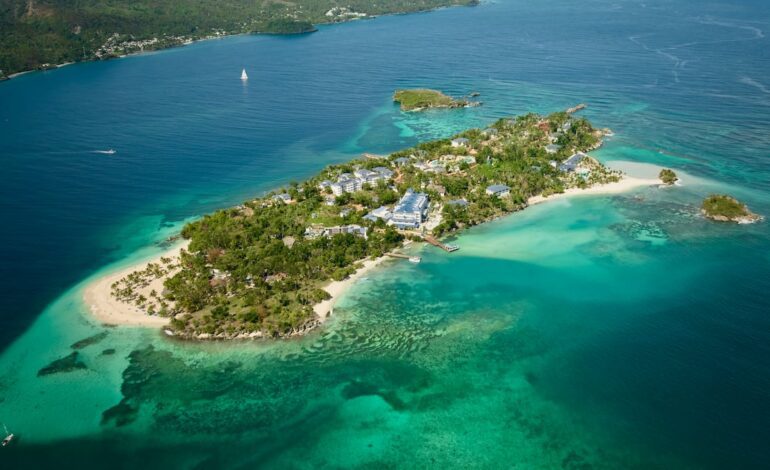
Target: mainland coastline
x=115 y=43
x=107 y=307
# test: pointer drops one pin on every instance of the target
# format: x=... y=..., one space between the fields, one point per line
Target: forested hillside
x=35 y=33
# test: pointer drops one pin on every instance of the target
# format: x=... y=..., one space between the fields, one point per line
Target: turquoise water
x=594 y=332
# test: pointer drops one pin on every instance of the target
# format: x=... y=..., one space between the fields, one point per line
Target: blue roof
x=572 y=162
x=496 y=188
x=411 y=202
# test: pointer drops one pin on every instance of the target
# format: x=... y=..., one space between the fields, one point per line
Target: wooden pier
x=448 y=248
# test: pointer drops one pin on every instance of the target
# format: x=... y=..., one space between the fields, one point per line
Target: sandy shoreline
x=626 y=184
x=110 y=311
x=337 y=288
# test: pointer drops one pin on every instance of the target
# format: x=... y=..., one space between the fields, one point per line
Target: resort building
x=422 y=166
x=435 y=166
x=401 y=161
x=572 y=162
x=552 y=148
x=353 y=229
x=498 y=190
x=460 y=142
x=344 y=229
x=364 y=174
x=458 y=202
x=347 y=183
x=383 y=173
x=381 y=213
x=489 y=132
x=410 y=211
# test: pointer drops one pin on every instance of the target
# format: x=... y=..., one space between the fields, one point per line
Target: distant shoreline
x=188 y=41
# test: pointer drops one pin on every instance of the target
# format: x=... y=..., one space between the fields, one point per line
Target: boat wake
x=106 y=152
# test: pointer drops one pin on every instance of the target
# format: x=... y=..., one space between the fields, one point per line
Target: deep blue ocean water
x=598 y=332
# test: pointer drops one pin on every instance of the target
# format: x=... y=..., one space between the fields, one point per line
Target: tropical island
x=419 y=99
x=41 y=34
x=268 y=267
x=724 y=208
x=668 y=176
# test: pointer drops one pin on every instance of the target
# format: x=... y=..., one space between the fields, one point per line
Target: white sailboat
x=8 y=437
x=244 y=76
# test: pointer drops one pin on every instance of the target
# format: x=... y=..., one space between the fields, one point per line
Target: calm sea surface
x=596 y=332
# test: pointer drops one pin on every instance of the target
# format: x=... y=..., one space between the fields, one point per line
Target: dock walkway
x=448 y=248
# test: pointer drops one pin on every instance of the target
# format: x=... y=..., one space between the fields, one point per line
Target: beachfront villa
x=401 y=161
x=460 y=142
x=410 y=211
x=572 y=162
x=498 y=190
x=489 y=132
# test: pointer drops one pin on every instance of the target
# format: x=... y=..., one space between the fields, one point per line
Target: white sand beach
x=110 y=311
x=626 y=184
x=337 y=288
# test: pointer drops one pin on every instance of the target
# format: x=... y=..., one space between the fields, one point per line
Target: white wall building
x=410 y=211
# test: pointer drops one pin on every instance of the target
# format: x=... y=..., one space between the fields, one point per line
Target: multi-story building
x=410 y=211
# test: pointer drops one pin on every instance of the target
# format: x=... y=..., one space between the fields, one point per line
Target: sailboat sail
x=243 y=75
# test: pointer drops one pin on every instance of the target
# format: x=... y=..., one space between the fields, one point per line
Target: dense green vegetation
x=722 y=207
x=422 y=98
x=34 y=33
x=668 y=176
x=261 y=267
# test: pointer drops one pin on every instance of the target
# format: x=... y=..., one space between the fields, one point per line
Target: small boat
x=414 y=259
x=8 y=437
x=244 y=77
